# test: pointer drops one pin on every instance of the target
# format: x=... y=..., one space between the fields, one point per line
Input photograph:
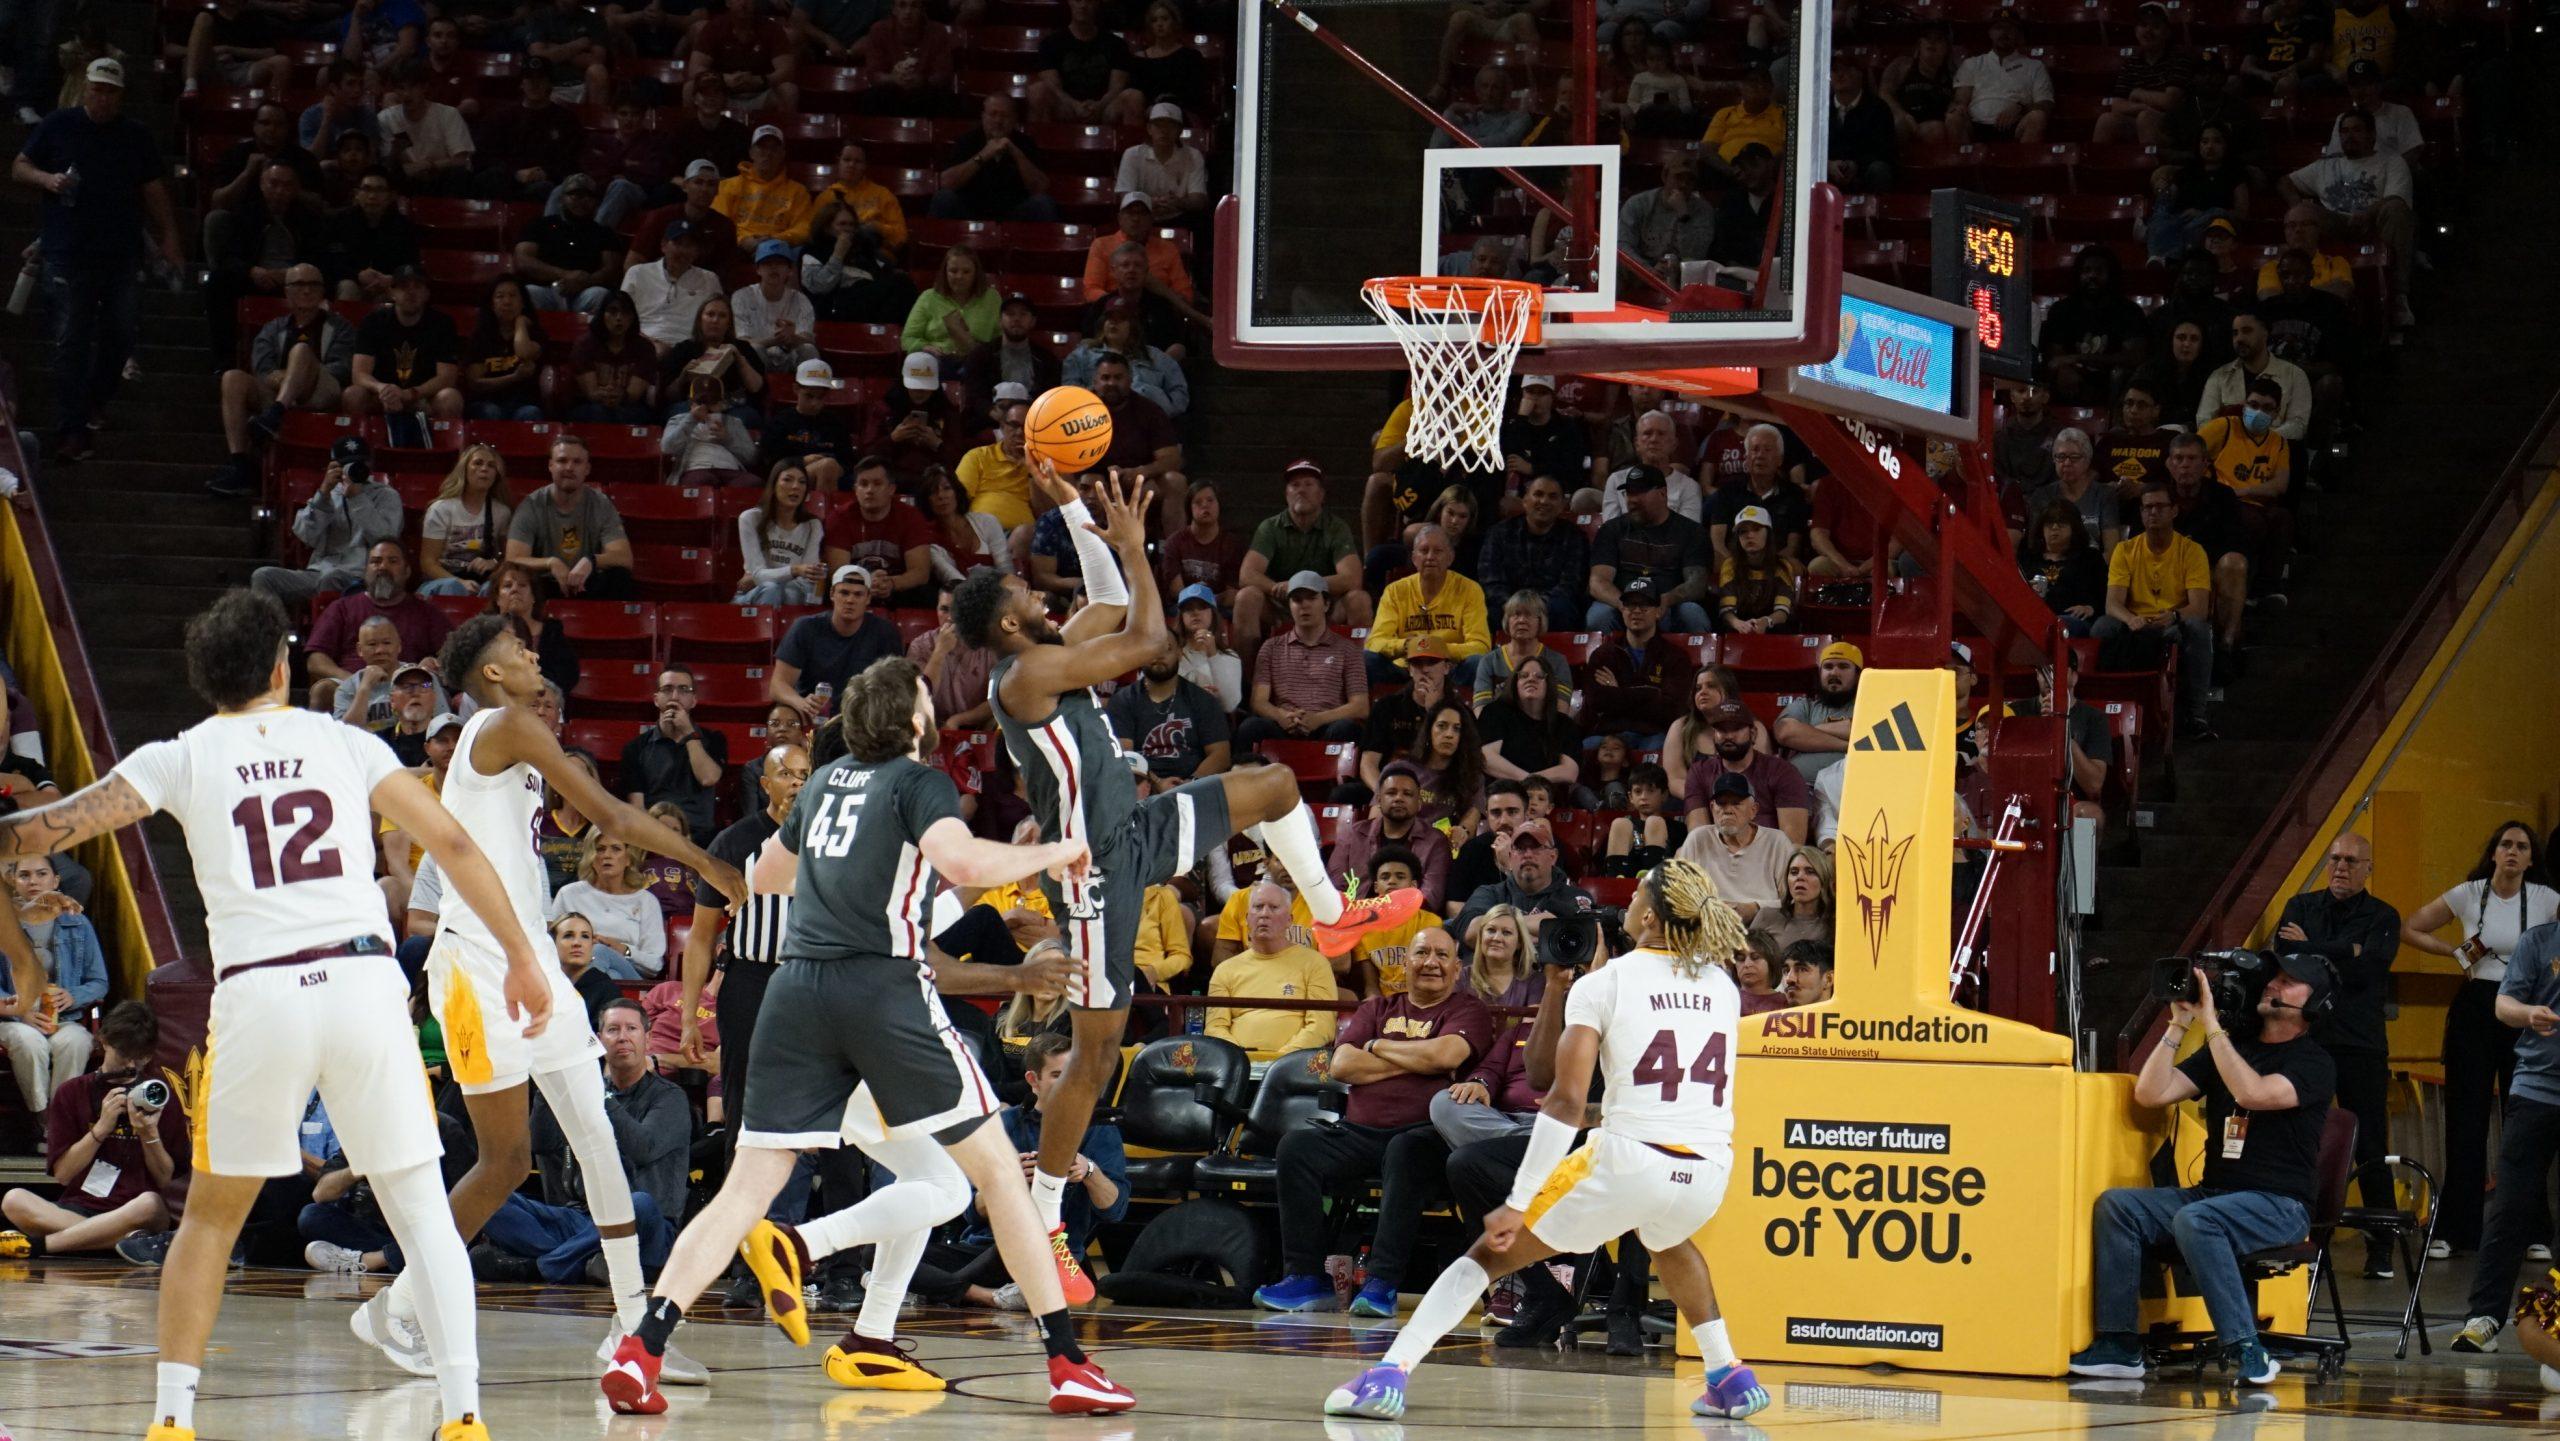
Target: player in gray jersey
x=855 y=1045
x=1041 y=692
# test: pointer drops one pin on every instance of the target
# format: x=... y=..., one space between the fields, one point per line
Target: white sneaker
x=400 y=1340
x=322 y=1256
x=1009 y=1298
x=2551 y=1380
x=674 y=1368
x=2537 y=1252
x=2439 y=1250
x=2479 y=1335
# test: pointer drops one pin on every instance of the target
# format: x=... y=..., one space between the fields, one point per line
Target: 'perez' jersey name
x=278 y=812
x=1666 y=1048
x=864 y=890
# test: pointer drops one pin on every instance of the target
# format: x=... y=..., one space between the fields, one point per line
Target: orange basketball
x=1070 y=427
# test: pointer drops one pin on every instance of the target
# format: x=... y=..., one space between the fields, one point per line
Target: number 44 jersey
x=1666 y=1048
x=277 y=807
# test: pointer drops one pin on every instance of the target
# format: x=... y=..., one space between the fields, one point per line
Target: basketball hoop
x=1460 y=337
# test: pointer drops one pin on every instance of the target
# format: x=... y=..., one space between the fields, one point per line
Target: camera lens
x=151 y=1095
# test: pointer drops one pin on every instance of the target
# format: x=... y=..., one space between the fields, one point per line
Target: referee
x=749 y=946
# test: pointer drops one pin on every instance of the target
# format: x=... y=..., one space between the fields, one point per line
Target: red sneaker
x=1078 y=1388
x=1359 y=918
x=631 y=1382
x=1071 y=1276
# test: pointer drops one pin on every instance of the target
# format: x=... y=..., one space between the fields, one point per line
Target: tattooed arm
x=93 y=810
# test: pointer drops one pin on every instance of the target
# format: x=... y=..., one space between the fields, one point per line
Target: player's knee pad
x=925 y=1165
x=576 y=1095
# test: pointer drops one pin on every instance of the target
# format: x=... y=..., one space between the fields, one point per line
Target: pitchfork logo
x=1875 y=869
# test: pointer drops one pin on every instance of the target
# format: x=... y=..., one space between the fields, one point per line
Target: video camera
x=2236 y=978
x=1570 y=943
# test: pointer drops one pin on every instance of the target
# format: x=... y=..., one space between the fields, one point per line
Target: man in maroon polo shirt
x=1397 y=1053
x=1785 y=804
x=386 y=594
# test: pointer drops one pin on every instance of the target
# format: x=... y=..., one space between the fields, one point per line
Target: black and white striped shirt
x=755 y=932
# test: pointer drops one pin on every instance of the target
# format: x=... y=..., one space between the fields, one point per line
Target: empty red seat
x=451 y=223
x=716 y=631
x=672 y=572
x=1318 y=765
x=456 y=608
x=603 y=739
x=616 y=690
x=731 y=692
x=1767 y=662
x=525 y=446
x=461 y=277
x=746 y=740
x=623 y=454
x=663 y=514
x=608 y=629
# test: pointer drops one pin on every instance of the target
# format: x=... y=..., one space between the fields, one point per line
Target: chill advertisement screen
x=1892 y=354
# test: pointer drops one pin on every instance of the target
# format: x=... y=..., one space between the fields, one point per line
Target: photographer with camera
x=115 y=1142
x=2360 y=934
x=1532 y=884
x=2266 y=1102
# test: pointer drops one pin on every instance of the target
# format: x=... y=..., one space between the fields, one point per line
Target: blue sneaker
x=1299 y=1293
x=1377 y=1298
x=1377 y=1393
x=1732 y=1393
x=2256 y=1367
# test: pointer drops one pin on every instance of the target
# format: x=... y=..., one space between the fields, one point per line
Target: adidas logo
x=1898 y=731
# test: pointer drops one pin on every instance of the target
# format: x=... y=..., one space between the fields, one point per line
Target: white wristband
x=1102 y=581
x=1549 y=1140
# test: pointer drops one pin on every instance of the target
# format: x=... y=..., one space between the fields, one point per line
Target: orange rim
x=1476 y=293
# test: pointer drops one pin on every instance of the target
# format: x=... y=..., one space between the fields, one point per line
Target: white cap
x=923 y=370
x=816 y=375
x=1008 y=391
x=851 y=572
x=442 y=723
x=702 y=167
x=105 y=71
x=1753 y=515
x=764 y=131
x=1137 y=197
x=1166 y=110
x=1542 y=382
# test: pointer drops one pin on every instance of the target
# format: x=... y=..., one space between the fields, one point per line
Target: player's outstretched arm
x=92 y=810
x=519 y=736
x=404 y=800
x=1090 y=659
x=967 y=860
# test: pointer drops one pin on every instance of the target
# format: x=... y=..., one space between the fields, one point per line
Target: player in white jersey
x=1659 y=1022
x=277 y=807
x=494 y=786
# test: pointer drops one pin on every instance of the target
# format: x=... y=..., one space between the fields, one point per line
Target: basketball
x=1070 y=427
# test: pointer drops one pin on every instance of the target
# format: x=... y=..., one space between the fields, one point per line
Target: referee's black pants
x=844 y=1173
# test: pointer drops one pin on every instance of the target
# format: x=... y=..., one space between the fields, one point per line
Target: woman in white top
x=631 y=931
x=1206 y=662
x=464 y=535
x=2506 y=895
x=781 y=540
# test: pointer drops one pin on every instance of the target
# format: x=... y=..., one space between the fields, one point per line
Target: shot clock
x=1979 y=251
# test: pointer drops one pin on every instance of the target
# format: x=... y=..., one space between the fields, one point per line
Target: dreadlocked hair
x=1700 y=928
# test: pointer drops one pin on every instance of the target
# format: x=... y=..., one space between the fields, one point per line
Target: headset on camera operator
x=2266 y=1101
x=2359 y=933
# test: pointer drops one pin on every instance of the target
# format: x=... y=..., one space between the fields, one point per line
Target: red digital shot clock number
x=1980 y=259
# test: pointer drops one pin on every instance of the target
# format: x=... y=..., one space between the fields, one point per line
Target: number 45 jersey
x=276 y=805
x=1666 y=1048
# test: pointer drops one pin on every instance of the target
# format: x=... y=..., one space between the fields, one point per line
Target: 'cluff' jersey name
x=865 y=892
x=1080 y=787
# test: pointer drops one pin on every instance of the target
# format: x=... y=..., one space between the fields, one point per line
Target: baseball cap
x=1533 y=831
x=678 y=230
x=2363 y=70
x=1306 y=580
x=1752 y=515
x=1009 y=391
x=2313 y=970
x=351 y=449
x=1021 y=301
x=1640 y=591
x=2154 y=10
x=1166 y=110
x=773 y=250
x=1640 y=477
x=403 y=273
x=850 y=572
x=923 y=370
x=576 y=183
x=1732 y=785
x=1963 y=654
x=764 y=133
x=446 y=722
x=104 y=71
x=1728 y=716
x=1538 y=382
x=702 y=167
x=1197 y=593
x=1426 y=647
x=1136 y=199
x=410 y=669
x=1309 y=466
x=2222 y=223
x=816 y=375
x=1842 y=650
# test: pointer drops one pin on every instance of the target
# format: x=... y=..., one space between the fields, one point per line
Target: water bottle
x=825 y=696
x=25 y=290
x=70 y=195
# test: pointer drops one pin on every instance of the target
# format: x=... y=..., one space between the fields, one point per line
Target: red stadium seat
x=663 y=514
x=1772 y=662
x=1318 y=765
x=731 y=692
x=1332 y=820
x=624 y=454
x=717 y=631
x=1576 y=646
x=306 y=436
x=608 y=629
x=524 y=445
x=461 y=277
x=447 y=223
x=747 y=739
x=1609 y=890
x=617 y=690
x=603 y=739
x=672 y=572
x=912 y=623
x=456 y=608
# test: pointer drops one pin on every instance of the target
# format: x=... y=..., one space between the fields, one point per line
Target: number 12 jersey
x=1666 y=1047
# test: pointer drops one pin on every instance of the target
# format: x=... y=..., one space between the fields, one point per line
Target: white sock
x=1443 y=1307
x=1292 y=838
x=621 y=1259
x=176 y=1401
x=1713 y=1347
x=414 y=1206
x=893 y=1265
x=1049 y=1198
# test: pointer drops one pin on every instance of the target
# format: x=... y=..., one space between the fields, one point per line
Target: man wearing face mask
x=2252 y=458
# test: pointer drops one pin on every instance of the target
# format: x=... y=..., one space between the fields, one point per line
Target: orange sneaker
x=1359 y=918
x=1071 y=1276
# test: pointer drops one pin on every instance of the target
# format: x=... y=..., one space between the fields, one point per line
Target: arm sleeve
x=1475 y=633
x=1222 y=1020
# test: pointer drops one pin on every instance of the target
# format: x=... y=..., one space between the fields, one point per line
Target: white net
x=1460 y=343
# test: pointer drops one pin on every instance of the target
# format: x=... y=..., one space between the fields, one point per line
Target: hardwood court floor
x=75 y=1362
